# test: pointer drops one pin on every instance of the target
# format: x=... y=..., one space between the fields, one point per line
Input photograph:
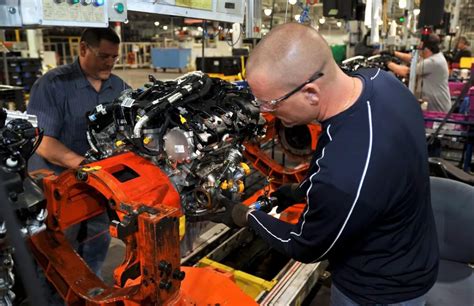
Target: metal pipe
x=271 y=15
x=5 y=63
x=456 y=11
x=204 y=26
x=5 y=69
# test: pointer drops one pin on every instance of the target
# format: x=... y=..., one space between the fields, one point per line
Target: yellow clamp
x=90 y=169
x=147 y=140
x=227 y=185
x=246 y=168
x=182 y=227
x=182 y=119
x=119 y=143
x=240 y=186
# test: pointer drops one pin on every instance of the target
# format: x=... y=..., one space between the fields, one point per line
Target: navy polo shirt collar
x=82 y=79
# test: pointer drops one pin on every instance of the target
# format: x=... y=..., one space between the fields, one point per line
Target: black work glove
x=385 y=59
x=232 y=213
x=288 y=195
x=387 y=53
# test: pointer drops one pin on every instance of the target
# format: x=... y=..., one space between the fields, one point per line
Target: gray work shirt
x=61 y=99
x=432 y=86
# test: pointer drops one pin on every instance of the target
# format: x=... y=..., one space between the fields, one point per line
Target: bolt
x=179 y=275
x=165 y=267
x=12 y=10
x=13 y=196
x=165 y=285
x=81 y=176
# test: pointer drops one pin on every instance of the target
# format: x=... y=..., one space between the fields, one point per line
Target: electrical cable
x=232 y=44
x=37 y=143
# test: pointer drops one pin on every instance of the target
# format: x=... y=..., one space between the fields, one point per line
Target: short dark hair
x=93 y=36
x=432 y=43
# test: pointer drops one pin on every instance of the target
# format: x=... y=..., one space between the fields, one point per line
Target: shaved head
x=291 y=49
x=281 y=70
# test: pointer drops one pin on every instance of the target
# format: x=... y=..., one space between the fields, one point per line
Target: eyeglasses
x=270 y=106
x=102 y=56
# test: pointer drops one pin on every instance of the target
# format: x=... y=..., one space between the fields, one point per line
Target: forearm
x=398 y=69
x=57 y=153
x=406 y=57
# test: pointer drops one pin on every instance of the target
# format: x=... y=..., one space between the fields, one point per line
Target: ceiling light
x=416 y=11
x=165 y=28
x=297 y=17
x=200 y=29
x=185 y=28
x=267 y=12
x=126 y=21
x=322 y=20
x=339 y=24
x=402 y=4
x=157 y=23
x=292 y=2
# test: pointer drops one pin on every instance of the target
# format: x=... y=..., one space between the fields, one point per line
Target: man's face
x=98 y=62
x=461 y=45
x=295 y=110
x=423 y=53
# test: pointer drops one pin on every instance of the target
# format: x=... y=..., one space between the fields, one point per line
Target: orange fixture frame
x=148 y=209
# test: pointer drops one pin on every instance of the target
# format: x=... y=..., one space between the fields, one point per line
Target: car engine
x=192 y=128
x=23 y=201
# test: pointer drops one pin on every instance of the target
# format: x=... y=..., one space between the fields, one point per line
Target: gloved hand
x=386 y=59
x=288 y=195
x=387 y=52
x=234 y=214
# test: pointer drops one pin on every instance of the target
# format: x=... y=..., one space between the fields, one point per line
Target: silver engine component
x=179 y=145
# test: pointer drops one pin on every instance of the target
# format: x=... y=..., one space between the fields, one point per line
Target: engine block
x=192 y=128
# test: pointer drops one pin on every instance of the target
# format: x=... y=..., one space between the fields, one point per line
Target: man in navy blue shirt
x=367 y=193
x=60 y=100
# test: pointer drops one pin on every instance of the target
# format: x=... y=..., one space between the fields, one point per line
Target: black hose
x=37 y=143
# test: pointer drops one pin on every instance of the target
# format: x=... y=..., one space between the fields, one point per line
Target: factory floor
x=319 y=296
x=137 y=78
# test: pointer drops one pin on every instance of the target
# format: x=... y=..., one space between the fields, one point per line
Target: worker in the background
x=363 y=48
x=367 y=191
x=60 y=100
x=432 y=74
x=462 y=49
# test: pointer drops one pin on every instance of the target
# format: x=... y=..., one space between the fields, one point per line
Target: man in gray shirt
x=432 y=74
x=60 y=100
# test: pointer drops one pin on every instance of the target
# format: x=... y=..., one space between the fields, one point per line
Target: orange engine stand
x=148 y=209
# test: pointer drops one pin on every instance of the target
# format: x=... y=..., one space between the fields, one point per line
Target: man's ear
x=311 y=92
x=82 y=49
